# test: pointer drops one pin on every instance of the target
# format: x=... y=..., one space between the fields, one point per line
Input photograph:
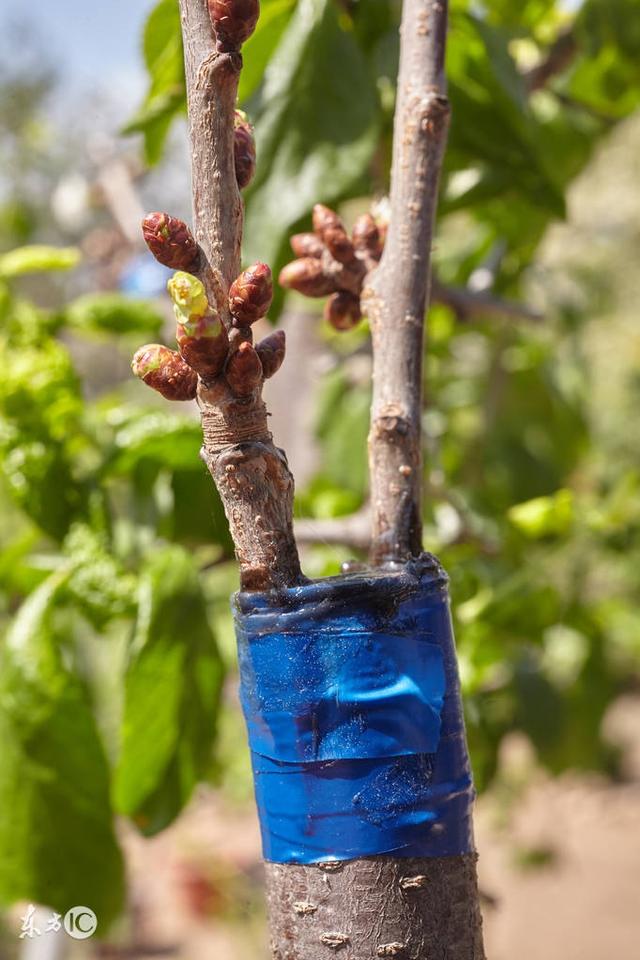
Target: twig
x=351 y=531
x=470 y=304
x=397 y=292
x=558 y=58
x=251 y=474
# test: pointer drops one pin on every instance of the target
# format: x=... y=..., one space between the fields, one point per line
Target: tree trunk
x=413 y=909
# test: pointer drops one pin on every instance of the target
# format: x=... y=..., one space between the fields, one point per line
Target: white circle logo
x=80 y=922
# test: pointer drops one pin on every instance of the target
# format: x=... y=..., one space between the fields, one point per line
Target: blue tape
x=350 y=691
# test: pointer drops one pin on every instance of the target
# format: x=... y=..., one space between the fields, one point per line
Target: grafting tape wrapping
x=350 y=692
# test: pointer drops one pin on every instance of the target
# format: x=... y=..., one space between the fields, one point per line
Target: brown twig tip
x=250 y=295
x=244 y=370
x=244 y=149
x=271 y=351
x=170 y=241
x=342 y=311
x=165 y=371
x=307 y=276
x=366 y=236
x=306 y=245
x=233 y=21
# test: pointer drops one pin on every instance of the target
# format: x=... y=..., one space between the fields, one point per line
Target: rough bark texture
x=251 y=474
x=397 y=292
x=413 y=909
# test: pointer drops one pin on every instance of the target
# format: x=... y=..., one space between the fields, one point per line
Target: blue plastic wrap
x=350 y=692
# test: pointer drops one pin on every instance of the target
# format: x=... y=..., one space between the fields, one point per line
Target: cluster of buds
x=233 y=21
x=207 y=348
x=250 y=297
x=333 y=263
x=201 y=336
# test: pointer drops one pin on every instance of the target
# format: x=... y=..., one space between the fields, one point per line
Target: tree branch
x=471 y=304
x=558 y=58
x=349 y=531
x=251 y=474
x=396 y=293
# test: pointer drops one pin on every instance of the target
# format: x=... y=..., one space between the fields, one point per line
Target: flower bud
x=324 y=218
x=189 y=298
x=170 y=241
x=339 y=245
x=251 y=294
x=307 y=276
x=306 y=245
x=244 y=150
x=204 y=344
x=271 y=351
x=342 y=311
x=165 y=371
x=244 y=370
x=233 y=21
x=366 y=236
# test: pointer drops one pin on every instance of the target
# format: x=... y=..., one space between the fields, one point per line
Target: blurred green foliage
x=117 y=563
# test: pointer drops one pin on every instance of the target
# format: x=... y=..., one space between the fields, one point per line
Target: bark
x=413 y=909
x=397 y=292
x=251 y=474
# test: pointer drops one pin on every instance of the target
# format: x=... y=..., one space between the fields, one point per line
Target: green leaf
x=41 y=436
x=113 y=313
x=172 y=692
x=493 y=129
x=544 y=516
x=316 y=127
x=57 y=844
x=166 y=98
x=257 y=51
x=38 y=259
x=98 y=586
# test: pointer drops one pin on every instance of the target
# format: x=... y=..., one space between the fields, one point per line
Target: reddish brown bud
x=324 y=218
x=307 y=276
x=165 y=371
x=244 y=150
x=306 y=245
x=342 y=310
x=339 y=244
x=271 y=351
x=251 y=294
x=233 y=21
x=366 y=236
x=170 y=241
x=204 y=345
x=244 y=370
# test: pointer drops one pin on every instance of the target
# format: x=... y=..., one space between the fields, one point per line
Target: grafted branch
x=216 y=304
x=397 y=292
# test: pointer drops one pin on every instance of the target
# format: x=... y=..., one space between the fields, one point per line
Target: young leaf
x=57 y=845
x=113 y=313
x=36 y=259
x=172 y=691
